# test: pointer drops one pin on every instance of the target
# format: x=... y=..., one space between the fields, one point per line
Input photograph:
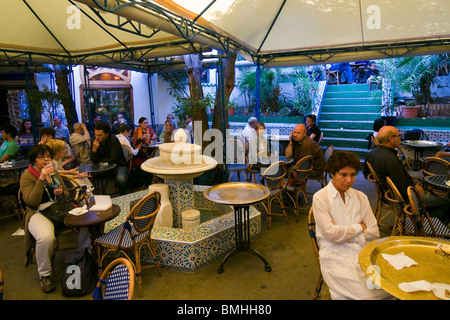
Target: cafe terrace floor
x=287 y=248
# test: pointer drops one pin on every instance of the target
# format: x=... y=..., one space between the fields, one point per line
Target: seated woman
x=58 y=149
x=143 y=134
x=25 y=134
x=39 y=189
x=345 y=223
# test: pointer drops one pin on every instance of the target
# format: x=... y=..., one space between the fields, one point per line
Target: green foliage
x=46 y=100
x=185 y=106
x=305 y=88
x=415 y=75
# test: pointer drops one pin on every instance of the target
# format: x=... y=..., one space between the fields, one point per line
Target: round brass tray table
x=431 y=267
x=240 y=195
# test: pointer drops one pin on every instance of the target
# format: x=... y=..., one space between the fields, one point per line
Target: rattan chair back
x=435 y=165
x=116 y=281
x=312 y=235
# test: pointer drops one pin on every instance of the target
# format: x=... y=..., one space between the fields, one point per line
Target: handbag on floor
x=80 y=274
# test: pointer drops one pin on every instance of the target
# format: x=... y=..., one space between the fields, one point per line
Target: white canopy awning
x=271 y=32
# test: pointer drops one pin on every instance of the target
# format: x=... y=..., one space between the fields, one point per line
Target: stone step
x=348 y=87
x=350 y=101
x=345 y=116
x=349 y=94
x=345 y=142
x=350 y=108
x=347 y=133
x=339 y=124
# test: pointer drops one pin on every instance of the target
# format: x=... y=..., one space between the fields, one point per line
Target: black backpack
x=80 y=274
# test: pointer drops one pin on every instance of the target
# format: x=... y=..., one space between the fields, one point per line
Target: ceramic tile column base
x=181 y=195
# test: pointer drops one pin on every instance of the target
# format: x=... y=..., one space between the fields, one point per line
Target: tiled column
x=181 y=195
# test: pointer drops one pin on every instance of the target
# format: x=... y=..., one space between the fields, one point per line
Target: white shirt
x=125 y=142
x=340 y=238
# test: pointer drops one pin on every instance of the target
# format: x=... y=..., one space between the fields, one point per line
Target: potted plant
x=415 y=75
x=410 y=110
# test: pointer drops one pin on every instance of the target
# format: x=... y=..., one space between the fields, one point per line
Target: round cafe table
x=94 y=220
x=419 y=146
x=240 y=195
x=432 y=266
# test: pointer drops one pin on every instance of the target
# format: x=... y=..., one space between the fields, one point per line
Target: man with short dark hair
x=9 y=146
x=107 y=148
x=312 y=130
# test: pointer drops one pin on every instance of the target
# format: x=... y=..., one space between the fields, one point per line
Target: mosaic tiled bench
x=189 y=249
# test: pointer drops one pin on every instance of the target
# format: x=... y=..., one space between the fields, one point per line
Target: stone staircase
x=347 y=115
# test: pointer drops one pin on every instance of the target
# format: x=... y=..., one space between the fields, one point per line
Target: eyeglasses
x=441 y=252
x=40 y=157
x=396 y=135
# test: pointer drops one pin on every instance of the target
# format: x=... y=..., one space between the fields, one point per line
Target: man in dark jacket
x=107 y=148
x=386 y=163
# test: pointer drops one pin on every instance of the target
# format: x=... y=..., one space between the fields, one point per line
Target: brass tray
x=237 y=193
x=430 y=266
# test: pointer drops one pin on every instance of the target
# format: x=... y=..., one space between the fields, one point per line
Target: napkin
x=102 y=203
x=79 y=211
x=414 y=286
x=399 y=260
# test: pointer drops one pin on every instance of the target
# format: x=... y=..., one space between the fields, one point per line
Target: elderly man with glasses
x=386 y=163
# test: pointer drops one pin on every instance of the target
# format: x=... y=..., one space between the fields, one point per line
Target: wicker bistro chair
x=1 y=285
x=273 y=178
x=382 y=203
x=322 y=177
x=398 y=204
x=236 y=159
x=415 y=174
x=420 y=221
x=116 y=281
x=312 y=235
x=435 y=166
x=301 y=172
x=133 y=234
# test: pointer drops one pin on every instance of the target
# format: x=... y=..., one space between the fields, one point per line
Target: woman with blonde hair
x=58 y=147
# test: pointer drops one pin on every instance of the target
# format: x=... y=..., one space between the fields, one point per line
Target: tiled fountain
x=186 y=249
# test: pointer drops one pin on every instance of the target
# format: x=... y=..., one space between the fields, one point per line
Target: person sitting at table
x=372 y=76
x=372 y=137
x=170 y=127
x=58 y=149
x=49 y=133
x=38 y=190
x=80 y=139
x=312 y=130
x=25 y=134
x=163 y=131
x=300 y=146
x=61 y=131
x=262 y=143
x=345 y=223
x=249 y=132
x=386 y=163
x=143 y=134
x=106 y=148
x=344 y=68
x=124 y=134
x=443 y=154
x=120 y=120
x=9 y=147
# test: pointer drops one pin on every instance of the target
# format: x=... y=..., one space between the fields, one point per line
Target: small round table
x=97 y=170
x=240 y=195
x=94 y=220
x=438 y=181
x=419 y=146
